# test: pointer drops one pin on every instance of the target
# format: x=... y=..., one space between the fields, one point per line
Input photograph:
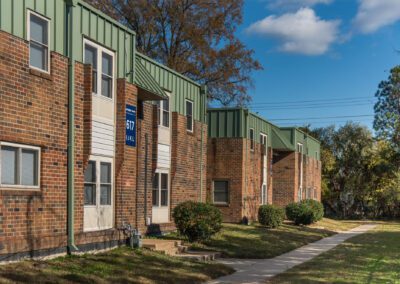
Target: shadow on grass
x=369 y=258
x=240 y=241
x=119 y=266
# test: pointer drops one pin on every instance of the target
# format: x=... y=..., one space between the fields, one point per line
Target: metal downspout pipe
x=204 y=114
x=71 y=128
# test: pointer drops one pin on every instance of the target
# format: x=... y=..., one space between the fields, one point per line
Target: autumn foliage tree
x=194 y=37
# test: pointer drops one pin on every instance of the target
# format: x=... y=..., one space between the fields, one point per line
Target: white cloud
x=295 y=4
x=375 y=14
x=301 y=32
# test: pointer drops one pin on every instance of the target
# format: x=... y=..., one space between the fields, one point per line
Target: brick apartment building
x=251 y=162
x=296 y=166
x=93 y=135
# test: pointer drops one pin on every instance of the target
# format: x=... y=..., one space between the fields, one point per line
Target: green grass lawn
x=122 y=265
x=254 y=241
x=373 y=257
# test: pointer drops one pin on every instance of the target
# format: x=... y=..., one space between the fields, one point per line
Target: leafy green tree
x=387 y=109
x=194 y=37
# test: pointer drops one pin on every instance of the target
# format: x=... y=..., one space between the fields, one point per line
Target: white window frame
x=100 y=49
x=192 y=103
x=252 y=141
x=28 y=36
x=98 y=160
x=159 y=189
x=20 y=148
x=161 y=111
x=213 y=192
x=301 y=146
x=264 y=199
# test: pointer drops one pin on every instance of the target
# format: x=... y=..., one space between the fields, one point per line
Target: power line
x=309 y=106
x=313 y=101
x=313 y=118
x=296 y=123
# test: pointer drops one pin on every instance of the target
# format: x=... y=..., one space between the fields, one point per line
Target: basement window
x=20 y=165
x=221 y=192
x=189 y=116
x=38 y=36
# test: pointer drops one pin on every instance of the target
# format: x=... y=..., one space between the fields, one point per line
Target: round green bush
x=317 y=208
x=305 y=212
x=270 y=216
x=197 y=221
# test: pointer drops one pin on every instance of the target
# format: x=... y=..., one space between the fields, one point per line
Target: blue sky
x=325 y=57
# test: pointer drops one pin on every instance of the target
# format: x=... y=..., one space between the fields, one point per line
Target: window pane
x=29 y=167
x=38 y=56
x=91 y=56
x=221 y=191
x=9 y=165
x=155 y=181
x=166 y=105
x=105 y=173
x=38 y=29
x=94 y=82
x=90 y=194
x=189 y=123
x=105 y=195
x=107 y=65
x=106 y=86
x=189 y=108
x=164 y=197
x=164 y=181
x=155 y=197
x=90 y=172
x=166 y=118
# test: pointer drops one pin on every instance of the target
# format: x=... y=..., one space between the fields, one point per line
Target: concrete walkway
x=252 y=271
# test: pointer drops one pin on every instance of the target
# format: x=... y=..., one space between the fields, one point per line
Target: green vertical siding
x=181 y=87
x=237 y=122
x=88 y=22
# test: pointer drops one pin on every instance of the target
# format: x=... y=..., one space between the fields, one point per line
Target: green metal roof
x=146 y=82
x=280 y=141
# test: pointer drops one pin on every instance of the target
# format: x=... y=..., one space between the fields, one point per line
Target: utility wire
x=313 y=101
x=309 y=106
x=313 y=118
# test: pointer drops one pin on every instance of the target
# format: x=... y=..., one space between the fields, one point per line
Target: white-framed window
x=102 y=61
x=38 y=35
x=264 y=186
x=300 y=150
x=221 y=192
x=189 y=115
x=163 y=112
x=98 y=183
x=251 y=137
x=19 y=166
x=161 y=189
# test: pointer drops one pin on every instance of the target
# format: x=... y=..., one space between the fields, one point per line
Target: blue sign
x=130 y=136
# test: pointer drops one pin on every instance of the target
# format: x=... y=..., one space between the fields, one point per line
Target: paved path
x=252 y=271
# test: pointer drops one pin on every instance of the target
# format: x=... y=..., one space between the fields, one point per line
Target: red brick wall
x=286 y=181
x=231 y=159
x=34 y=111
x=284 y=174
x=186 y=161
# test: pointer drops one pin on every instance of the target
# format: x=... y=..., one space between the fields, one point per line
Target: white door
x=98 y=194
x=160 y=196
x=264 y=187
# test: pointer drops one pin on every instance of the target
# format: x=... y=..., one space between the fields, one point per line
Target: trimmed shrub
x=270 y=216
x=197 y=221
x=316 y=207
x=305 y=212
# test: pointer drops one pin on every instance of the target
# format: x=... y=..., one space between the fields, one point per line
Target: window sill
x=221 y=204
x=190 y=132
x=20 y=191
x=40 y=74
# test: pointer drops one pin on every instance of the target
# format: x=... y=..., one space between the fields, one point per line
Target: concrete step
x=200 y=255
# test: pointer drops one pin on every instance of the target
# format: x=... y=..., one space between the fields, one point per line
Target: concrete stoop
x=178 y=249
